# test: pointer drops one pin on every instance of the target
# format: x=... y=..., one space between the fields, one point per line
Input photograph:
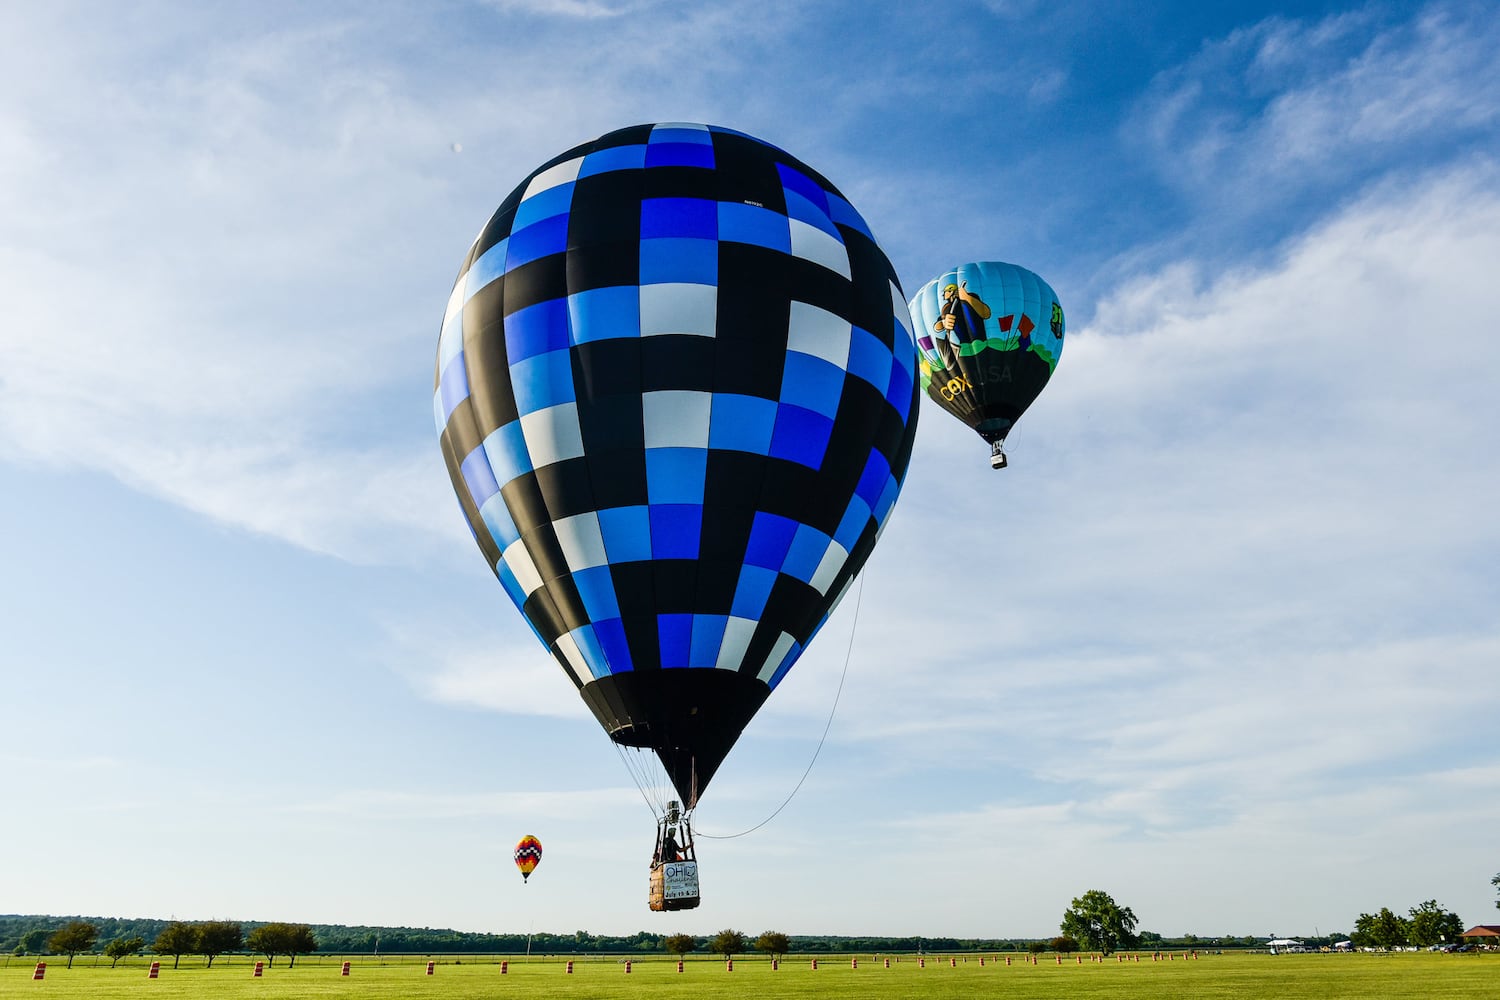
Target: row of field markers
x=41 y=967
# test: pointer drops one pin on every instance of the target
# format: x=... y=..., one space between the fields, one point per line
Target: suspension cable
x=848 y=655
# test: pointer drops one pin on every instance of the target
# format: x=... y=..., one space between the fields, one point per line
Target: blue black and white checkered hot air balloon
x=676 y=390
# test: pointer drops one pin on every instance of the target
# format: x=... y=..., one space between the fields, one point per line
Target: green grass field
x=1282 y=977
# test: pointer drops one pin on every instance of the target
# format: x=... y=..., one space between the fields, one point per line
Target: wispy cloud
x=1286 y=107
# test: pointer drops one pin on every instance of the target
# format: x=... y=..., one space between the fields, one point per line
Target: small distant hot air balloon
x=990 y=335
x=528 y=855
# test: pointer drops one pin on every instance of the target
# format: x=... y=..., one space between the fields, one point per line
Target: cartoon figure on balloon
x=961 y=319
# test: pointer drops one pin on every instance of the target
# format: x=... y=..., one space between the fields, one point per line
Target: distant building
x=1484 y=934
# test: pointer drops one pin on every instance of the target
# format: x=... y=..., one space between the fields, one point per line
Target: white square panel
x=679 y=308
x=553 y=434
x=563 y=173
x=737 y=636
x=676 y=418
x=778 y=651
x=811 y=243
x=819 y=333
x=581 y=540
x=522 y=565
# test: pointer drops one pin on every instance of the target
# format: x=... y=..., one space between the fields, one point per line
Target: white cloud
x=516 y=679
x=1285 y=105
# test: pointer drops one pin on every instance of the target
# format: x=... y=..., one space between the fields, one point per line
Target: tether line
x=848 y=655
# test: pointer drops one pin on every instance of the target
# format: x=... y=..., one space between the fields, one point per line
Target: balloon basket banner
x=344 y=971
x=155 y=972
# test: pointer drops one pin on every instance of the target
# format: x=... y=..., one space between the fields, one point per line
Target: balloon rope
x=636 y=776
x=848 y=655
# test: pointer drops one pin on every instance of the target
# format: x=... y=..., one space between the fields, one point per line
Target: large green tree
x=279 y=938
x=215 y=937
x=773 y=943
x=1380 y=930
x=176 y=939
x=73 y=937
x=679 y=944
x=122 y=946
x=1431 y=924
x=727 y=943
x=1098 y=923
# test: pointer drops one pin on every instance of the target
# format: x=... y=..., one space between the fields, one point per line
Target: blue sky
x=1220 y=642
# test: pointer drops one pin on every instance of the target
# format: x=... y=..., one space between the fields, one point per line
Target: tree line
x=28 y=935
x=1092 y=922
x=1425 y=925
x=209 y=938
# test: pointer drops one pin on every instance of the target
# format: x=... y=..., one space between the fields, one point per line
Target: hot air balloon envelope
x=990 y=335
x=528 y=855
x=676 y=391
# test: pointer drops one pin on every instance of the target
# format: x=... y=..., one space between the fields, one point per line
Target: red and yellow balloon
x=528 y=855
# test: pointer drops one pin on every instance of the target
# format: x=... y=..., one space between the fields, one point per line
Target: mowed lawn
x=1418 y=976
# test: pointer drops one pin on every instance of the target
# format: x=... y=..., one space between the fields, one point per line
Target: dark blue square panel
x=675 y=530
x=795 y=181
x=770 y=536
x=686 y=218
x=536 y=330
x=675 y=634
x=611 y=635
x=679 y=154
x=872 y=480
x=801 y=435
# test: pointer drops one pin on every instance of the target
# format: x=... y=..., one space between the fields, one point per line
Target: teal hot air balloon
x=676 y=392
x=990 y=335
